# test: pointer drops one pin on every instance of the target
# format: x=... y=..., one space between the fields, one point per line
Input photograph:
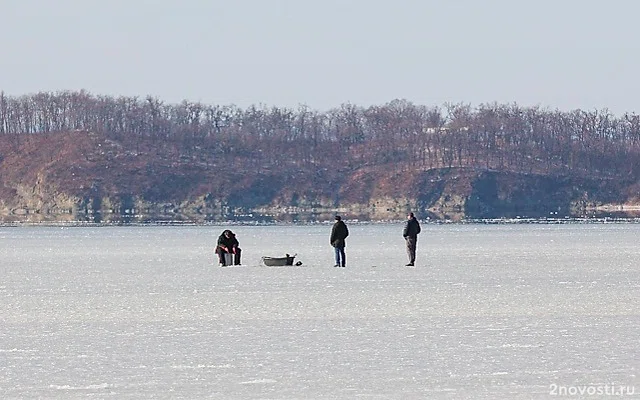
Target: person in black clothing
x=228 y=244
x=339 y=233
x=410 y=234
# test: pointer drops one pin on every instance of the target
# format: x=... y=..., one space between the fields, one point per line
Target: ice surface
x=489 y=311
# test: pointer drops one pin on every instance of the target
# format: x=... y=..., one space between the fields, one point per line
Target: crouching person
x=228 y=249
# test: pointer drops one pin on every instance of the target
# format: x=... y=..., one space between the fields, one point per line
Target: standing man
x=410 y=234
x=339 y=233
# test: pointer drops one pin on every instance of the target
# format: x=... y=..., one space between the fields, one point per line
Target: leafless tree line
x=399 y=134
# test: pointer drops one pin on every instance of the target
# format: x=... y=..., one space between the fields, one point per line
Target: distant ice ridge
x=257 y=381
x=202 y=366
x=88 y=387
x=16 y=351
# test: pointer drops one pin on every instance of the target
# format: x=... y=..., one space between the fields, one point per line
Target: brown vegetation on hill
x=74 y=156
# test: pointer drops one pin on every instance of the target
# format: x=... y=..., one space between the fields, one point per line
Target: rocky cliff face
x=83 y=177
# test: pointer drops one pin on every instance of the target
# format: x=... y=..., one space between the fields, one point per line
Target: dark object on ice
x=279 y=261
x=227 y=249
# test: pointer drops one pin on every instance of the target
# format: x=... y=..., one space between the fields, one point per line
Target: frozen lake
x=489 y=312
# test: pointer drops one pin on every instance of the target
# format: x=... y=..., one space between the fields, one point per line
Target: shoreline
x=487 y=221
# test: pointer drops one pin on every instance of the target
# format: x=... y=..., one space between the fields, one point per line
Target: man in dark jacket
x=339 y=233
x=410 y=234
x=228 y=244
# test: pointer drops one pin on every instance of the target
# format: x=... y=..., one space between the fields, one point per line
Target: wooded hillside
x=76 y=156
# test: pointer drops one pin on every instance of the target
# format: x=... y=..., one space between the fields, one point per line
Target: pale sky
x=563 y=54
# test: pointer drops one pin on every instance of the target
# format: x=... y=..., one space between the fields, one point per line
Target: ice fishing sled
x=279 y=261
